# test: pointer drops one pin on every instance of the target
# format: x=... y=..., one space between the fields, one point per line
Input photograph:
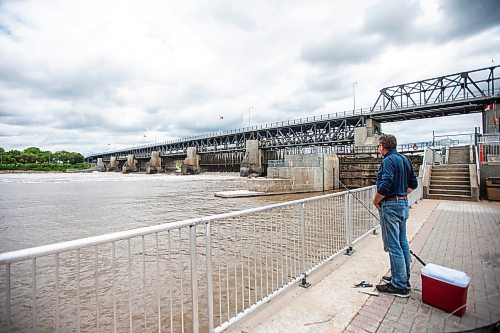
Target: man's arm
x=377 y=199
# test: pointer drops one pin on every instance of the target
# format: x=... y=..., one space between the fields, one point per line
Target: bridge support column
x=154 y=165
x=130 y=165
x=251 y=166
x=113 y=164
x=191 y=163
x=367 y=136
x=100 y=165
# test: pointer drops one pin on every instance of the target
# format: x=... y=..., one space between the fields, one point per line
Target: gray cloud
x=340 y=51
x=464 y=18
x=92 y=79
x=5 y=31
x=229 y=14
x=396 y=22
x=393 y=21
x=194 y=94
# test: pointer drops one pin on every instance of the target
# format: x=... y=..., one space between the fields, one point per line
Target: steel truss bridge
x=460 y=93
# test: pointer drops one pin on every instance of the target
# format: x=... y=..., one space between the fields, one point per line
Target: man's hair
x=388 y=141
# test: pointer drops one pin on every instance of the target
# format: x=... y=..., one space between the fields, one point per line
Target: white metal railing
x=478 y=170
x=196 y=275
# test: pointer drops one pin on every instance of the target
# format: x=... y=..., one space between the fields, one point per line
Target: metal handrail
x=477 y=167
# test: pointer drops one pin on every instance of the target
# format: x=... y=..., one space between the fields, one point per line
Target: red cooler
x=445 y=288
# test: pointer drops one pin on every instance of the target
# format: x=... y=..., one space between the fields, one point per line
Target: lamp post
x=249 y=123
x=354 y=94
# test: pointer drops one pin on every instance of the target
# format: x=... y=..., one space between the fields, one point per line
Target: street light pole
x=249 y=123
x=354 y=94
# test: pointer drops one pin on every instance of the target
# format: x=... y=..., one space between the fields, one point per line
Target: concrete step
x=449 y=197
x=450 y=182
x=450 y=172
x=449 y=192
x=461 y=178
x=451 y=166
x=465 y=187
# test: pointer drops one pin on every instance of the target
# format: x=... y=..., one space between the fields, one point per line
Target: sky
x=93 y=75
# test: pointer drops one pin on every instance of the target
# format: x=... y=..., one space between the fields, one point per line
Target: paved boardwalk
x=459 y=235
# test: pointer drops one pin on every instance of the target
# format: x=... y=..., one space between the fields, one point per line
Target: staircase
x=450 y=182
x=460 y=155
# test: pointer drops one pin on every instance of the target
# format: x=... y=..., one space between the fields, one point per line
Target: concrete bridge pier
x=367 y=136
x=251 y=166
x=154 y=164
x=100 y=165
x=191 y=163
x=130 y=165
x=113 y=164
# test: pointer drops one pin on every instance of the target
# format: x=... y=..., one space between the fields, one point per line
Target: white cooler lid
x=445 y=274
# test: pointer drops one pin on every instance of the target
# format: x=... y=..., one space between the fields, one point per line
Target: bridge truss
x=458 y=93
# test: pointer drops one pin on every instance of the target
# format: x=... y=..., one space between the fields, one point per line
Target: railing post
x=194 y=278
x=302 y=224
x=371 y=194
x=210 y=308
x=348 y=224
x=7 y=297
x=302 y=238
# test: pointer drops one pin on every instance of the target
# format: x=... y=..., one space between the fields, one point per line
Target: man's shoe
x=388 y=279
x=389 y=289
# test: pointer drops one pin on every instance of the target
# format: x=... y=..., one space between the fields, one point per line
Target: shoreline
x=51 y=171
x=28 y=171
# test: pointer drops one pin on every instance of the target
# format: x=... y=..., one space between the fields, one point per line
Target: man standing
x=395 y=179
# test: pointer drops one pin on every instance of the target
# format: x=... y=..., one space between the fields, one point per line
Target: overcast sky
x=94 y=75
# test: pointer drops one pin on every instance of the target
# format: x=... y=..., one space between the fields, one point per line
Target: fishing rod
x=376 y=217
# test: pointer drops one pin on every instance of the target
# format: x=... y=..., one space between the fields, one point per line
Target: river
x=43 y=208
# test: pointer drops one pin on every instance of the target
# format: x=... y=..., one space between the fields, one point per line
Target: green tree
x=27 y=158
x=33 y=158
x=13 y=154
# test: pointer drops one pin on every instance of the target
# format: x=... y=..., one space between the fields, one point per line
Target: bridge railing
x=195 y=275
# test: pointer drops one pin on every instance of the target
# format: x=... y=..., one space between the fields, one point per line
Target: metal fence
x=195 y=275
x=489 y=147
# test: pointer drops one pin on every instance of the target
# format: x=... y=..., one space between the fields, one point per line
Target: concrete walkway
x=460 y=235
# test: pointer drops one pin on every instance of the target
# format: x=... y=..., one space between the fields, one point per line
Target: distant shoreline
x=37 y=171
x=28 y=171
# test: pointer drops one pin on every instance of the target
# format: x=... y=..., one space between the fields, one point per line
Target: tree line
x=34 y=158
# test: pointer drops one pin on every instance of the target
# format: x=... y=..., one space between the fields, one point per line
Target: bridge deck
x=464 y=236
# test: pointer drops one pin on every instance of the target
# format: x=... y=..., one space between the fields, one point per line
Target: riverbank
x=3 y=172
x=59 y=167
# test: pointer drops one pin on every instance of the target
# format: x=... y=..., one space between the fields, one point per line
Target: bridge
x=454 y=94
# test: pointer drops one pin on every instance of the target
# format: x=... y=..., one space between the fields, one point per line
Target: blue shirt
x=395 y=175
